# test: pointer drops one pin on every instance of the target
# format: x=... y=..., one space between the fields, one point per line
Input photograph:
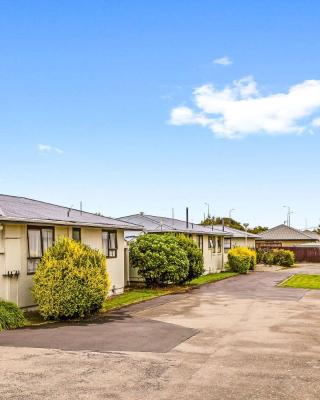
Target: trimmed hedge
x=10 y=316
x=71 y=280
x=195 y=257
x=159 y=259
x=241 y=259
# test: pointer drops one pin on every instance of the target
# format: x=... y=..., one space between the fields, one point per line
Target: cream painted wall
x=14 y=254
x=213 y=261
x=241 y=242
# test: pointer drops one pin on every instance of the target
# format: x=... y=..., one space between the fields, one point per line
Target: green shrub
x=10 y=316
x=71 y=280
x=159 y=259
x=268 y=258
x=260 y=256
x=285 y=258
x=241 y=259
x=253 y=259
x=195 y=257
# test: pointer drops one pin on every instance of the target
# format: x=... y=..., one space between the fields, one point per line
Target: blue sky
x=88 y=91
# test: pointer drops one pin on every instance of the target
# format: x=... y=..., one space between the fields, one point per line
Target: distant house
x=29 y=227
x=313 y=234
x=283 y=236
x=237 y=238
x=209 y=240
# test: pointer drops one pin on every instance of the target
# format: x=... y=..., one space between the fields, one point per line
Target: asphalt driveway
x=242 y=338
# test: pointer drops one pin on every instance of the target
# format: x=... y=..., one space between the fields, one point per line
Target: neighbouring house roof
x=237 y=233
x=156 y=224
x=284 y=232
x=21 y=209
x=313 y=234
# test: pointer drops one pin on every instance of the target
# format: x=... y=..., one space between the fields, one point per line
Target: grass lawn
x=211 y=278
x=132 y=296
x=303 y=281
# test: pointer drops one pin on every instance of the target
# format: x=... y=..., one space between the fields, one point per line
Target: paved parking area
x=242 y=339
x=117 y=332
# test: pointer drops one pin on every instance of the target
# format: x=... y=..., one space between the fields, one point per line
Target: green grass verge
x=302 y=281
x=132 y=296
x=211 y=278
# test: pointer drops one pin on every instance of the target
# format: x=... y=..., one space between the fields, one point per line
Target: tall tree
x=232 y=223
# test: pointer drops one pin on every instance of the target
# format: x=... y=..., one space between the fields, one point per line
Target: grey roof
x=237 y=233
x=156 y=224
x=284 y=232
x=21 y=209
x=313 y=234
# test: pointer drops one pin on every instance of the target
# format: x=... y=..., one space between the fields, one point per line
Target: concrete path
x=247 y=339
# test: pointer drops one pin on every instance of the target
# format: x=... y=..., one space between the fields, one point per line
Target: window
x=110 y=243
x=227 y=244
x=39 y=240
x=212 y=243
x=76 y=234
x=200 y=241
x=219 y=244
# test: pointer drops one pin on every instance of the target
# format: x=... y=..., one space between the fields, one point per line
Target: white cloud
x=240 y=109
x=225 y=61
x=316 y=122
x=46 y=148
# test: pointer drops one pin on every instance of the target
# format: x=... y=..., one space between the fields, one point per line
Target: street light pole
x=207 y=204
x=289 y=212
x=246 y=230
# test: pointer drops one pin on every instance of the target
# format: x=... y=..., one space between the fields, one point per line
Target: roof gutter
x=70 y=223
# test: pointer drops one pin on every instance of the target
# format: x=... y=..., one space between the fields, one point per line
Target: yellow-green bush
x=10 y=316
x=253 y=262
x=71 y=280
x=242 y=259
x=285 y=258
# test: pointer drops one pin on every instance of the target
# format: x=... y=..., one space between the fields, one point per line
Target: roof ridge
x=157 y=222
x=298 y=231
x=193 y=226
x=300 y=234
x=55 y=205
x=159 y=216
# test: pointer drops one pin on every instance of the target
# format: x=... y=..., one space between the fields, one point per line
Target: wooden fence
x=305 y=254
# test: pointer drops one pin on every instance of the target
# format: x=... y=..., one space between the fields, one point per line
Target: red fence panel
x=305 y=254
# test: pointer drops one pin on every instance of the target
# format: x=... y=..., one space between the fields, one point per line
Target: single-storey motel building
x=29 y=227
x=237 y=238
x=208 y=239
